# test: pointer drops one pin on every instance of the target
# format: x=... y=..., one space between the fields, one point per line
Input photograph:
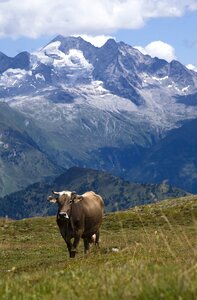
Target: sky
x=166 y=28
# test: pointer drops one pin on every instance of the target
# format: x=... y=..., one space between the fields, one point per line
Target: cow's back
x=93 y=198
x=93 y=207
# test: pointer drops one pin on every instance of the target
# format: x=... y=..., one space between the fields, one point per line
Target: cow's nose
x=63 y=214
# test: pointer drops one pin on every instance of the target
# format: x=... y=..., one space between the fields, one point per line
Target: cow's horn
x=55 y=193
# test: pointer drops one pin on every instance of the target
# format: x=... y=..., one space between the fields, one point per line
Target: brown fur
x=83 y=219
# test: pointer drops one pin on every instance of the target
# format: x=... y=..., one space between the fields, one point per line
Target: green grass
x=156 y=257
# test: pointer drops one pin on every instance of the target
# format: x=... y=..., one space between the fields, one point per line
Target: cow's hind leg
x=86 y=245
x=97 y=238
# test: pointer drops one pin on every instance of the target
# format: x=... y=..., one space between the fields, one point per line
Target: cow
x=78 y=216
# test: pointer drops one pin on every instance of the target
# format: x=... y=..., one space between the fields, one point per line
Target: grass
x=148 y=252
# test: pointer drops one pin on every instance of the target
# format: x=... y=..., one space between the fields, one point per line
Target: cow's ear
x=73 y=196
x=78 y=198
x=52 y=199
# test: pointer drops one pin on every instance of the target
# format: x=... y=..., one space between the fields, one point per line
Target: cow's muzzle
x=64 y=215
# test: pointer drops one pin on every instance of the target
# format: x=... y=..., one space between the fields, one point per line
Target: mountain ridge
x=117 y=193
x=93 y=107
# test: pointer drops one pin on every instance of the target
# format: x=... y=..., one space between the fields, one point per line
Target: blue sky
x=29 y=25
x=179 y=32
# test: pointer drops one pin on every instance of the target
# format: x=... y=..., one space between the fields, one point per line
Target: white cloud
x=192 y=67
x=158 y=49
x=141 y=49
x=34 y=18
x=97 y=41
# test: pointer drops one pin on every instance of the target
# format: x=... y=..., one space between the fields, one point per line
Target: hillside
x=117 y=193
x=22 y=162
x=173 y=159
x=146 y=253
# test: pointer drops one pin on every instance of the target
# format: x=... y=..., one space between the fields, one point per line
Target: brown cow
x=78 y=216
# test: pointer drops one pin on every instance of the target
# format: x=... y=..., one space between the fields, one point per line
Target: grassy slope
x=157 y=257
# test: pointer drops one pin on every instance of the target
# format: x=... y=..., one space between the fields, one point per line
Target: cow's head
x=64 y=200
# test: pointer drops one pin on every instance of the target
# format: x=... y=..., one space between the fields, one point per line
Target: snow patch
x=39 y=76
x=160 y=78
x=12 y=77
x=26 y=123
x=185 y=89
x=51 y=55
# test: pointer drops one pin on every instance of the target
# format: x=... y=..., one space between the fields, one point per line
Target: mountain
x=21 y=160
x=117 y=193
x=101 y=108
x=173 y=159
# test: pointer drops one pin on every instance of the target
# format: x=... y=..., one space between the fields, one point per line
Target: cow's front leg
x=77 y=237
x=69 y=246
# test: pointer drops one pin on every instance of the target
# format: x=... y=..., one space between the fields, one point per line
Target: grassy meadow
x=147 y=252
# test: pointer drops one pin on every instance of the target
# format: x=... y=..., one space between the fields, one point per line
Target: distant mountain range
x=117 y=193
x=110 y=108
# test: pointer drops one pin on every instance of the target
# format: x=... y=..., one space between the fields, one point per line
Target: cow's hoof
x=72 y=254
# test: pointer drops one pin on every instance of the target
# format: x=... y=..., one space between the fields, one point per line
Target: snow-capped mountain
x=97 y=107
x=75 y=68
